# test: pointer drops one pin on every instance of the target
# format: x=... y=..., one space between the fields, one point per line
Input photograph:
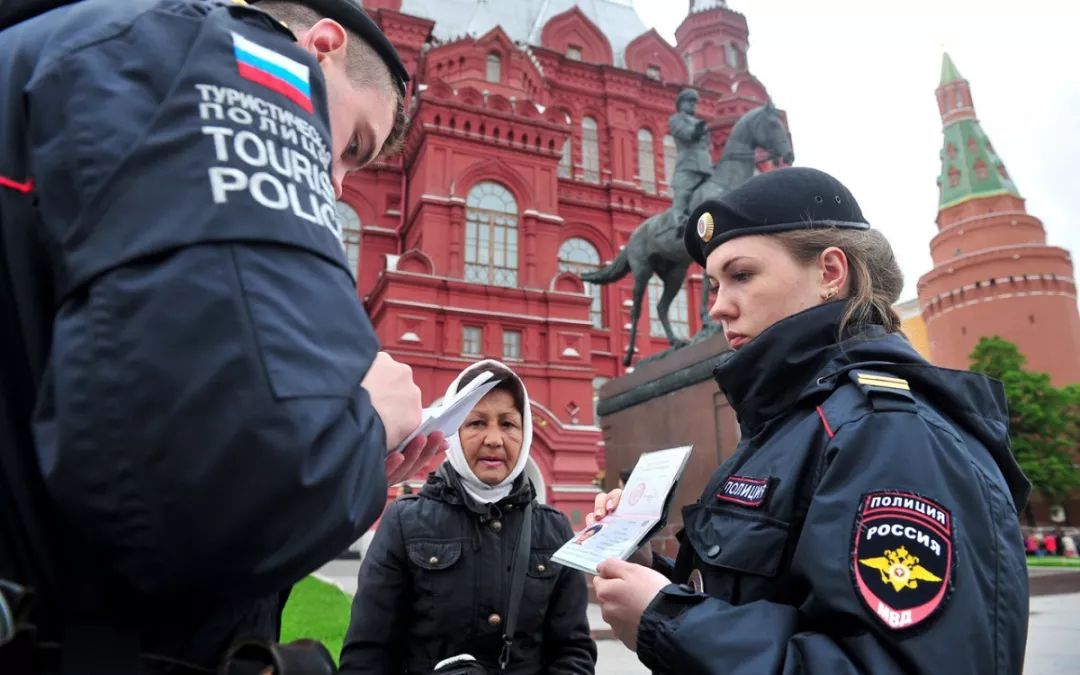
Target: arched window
x=494 y=68
x=646 y=158
x=577 y=255
x=678 y=313
x=491 y=241
x=670 y=153
x=981 y=170
x=566 y=161
x=350 y=235
x=731 y=55
x=954 y=176
x=590 y=150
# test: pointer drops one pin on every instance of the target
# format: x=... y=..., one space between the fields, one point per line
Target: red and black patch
x=744 y=491
x=902 y=557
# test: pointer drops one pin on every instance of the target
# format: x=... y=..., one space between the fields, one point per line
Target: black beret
x=355 y=20
x=794 y=198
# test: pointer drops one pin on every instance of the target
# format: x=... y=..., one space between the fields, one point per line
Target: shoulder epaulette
x=885 y=391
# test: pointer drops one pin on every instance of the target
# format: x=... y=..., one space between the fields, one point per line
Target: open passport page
x=641 y=513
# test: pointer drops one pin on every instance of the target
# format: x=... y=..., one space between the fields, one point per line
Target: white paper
x=641 y=507
x=448 y=416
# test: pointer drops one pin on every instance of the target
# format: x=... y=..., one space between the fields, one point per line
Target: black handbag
x=465 y=664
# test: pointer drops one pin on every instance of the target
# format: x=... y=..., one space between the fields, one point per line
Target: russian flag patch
x=272 y=70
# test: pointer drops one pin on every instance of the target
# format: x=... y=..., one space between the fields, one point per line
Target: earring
x=829 y=294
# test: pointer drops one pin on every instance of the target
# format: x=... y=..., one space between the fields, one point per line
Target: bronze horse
x=656 y=246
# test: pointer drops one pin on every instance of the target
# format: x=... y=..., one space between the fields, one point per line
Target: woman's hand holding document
x=639 y=515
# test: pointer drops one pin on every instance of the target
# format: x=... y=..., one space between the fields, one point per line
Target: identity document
x=640 y=514
x=448 y=416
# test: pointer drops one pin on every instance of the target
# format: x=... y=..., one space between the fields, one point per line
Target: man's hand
x=416 y=455
x=625 y=591
x=395 y=396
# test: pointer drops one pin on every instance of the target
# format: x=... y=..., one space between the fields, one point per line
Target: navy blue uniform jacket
x=182 y=425
x=867 y=522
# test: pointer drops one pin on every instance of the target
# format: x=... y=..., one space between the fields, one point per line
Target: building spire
x=969 y=166
x=949 y=73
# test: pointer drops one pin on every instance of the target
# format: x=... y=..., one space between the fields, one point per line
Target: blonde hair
x=874 y=279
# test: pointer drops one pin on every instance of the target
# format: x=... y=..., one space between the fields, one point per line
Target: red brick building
x=993 y=272
x=539 y=142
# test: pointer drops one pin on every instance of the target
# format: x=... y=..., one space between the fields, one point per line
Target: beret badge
x=705 y=226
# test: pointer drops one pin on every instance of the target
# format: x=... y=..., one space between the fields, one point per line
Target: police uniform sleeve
x=906 y=559
x=377 y=639
x=202 y=426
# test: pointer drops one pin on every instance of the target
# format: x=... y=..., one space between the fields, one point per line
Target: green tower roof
x=949 y=73
x=969 y=166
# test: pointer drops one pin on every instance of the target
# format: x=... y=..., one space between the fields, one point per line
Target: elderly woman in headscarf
x=437 y=579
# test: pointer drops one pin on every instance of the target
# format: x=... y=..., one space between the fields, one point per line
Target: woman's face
x=757 y=283
x=491 y=437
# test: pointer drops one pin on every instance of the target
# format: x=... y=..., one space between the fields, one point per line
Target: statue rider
x=693 y=162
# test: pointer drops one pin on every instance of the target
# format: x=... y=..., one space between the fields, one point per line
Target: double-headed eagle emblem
x=900 y=568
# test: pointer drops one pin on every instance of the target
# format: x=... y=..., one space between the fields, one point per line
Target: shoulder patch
x=273 y=70
x=886 y=392
x=902 y=557
x=746 y=491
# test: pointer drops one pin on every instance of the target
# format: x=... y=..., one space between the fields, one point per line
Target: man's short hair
x=364 y=66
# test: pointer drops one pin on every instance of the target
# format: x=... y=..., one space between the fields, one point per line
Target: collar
x=445 y=485
x=786 y=363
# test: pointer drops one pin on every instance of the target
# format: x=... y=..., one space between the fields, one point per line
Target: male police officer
x=193 y=410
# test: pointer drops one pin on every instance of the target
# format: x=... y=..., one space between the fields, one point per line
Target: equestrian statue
x=656 y=246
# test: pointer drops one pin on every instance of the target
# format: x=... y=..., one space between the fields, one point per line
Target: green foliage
x=1044 y=421
x=319 y=611
x=995 y=357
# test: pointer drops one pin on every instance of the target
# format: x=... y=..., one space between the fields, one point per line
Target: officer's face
x=360 y=121
x=491 y=437
x=361 y=116
x=757 y=283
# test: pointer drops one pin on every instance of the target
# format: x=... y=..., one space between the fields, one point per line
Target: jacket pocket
x=438 y=575
x=740 y=542
x=540 y=578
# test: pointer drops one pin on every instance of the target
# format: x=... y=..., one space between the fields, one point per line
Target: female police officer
x=867 y=521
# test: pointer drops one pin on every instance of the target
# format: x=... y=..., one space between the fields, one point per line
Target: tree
x=1044 y=421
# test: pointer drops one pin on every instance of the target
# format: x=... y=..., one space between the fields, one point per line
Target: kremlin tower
x=993 y=272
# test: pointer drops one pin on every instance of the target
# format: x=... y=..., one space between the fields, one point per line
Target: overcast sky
x=857 y=80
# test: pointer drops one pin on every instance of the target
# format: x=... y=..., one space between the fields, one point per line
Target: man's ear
x=326 y=39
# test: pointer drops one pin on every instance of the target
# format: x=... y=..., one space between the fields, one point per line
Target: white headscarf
x=478 y=489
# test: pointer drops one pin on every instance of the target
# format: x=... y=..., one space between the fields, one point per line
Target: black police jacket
x=182 y=429
x=436 y=579
x=867 y=522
